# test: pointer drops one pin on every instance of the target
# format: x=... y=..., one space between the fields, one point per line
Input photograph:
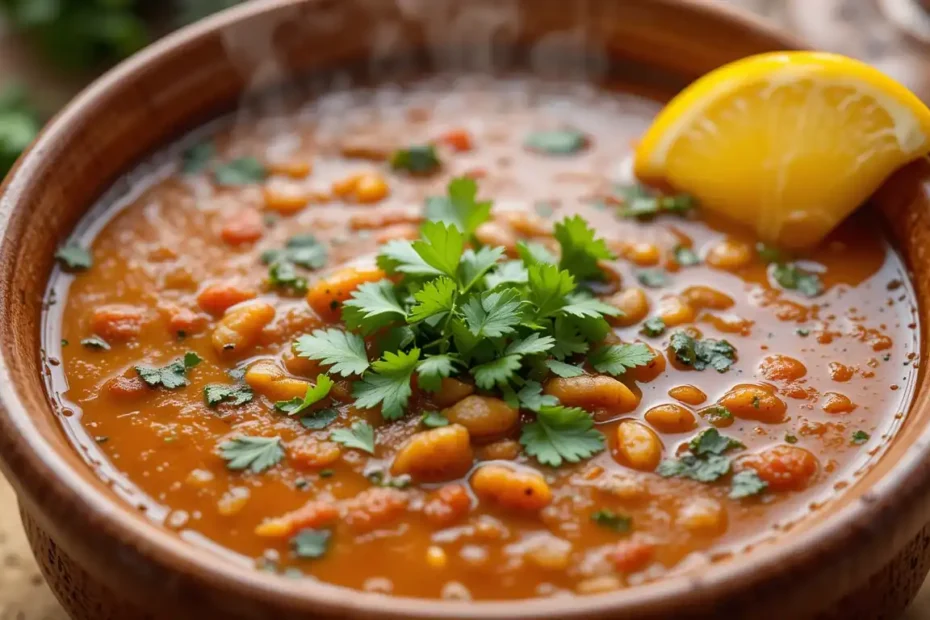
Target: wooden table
x=852 y=27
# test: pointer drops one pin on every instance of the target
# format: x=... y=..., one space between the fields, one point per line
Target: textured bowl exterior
x=863 y=555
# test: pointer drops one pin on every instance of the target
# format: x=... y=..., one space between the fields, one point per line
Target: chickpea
x=511 y=488
x=688 y=394
x=643 y=254
x=503 y=450
x=345 y=188
x=485 y=417
x=782 y=368
x=840 y=372
x=638 y=446
x=754 y=402
x=233 y=501
x=371 y=188
x=837 y=403
x=447 y=505
x=634 y=305
x=267 y=379
x=705 y=297
x=436 y=558
x=116 y=322
x=437 y=454
x=327 y=295
x=293 y=168
x=241 y=327
x=284 y=200
x=451 y=391
x=702 y=515
x=674 y=311
x=670 y=418
x=549 y=552
x=783 y=467
x=593 y=393
x=729 y=254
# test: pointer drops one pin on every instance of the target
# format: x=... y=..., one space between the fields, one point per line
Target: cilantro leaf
x=360 y=436
x=510 y=272
x=96 y=342
x=283 y=275
x=372 y=306
x=241 y=171
x=494 y=313
x=616 y=359
x=652 y=278
x=769 y=254
x=170 y=376
x=548 y=288
x=685 y=256
x=498 y=372
x=531 y=345
x=653 y=327
x=580 y=249
x=608 y=519
x=705 y=469
x=475 y=265
x=315 y=393
x=344 y=351
x=561 y=369
x=584 y=306
x=235 y=395
x=435 y=299
x=310 y=544
x=860 y=437
x=196 y=157
x=253 y=453
x=73 y=257
x=319 y=420
x=440 y=247
x=568 y=339
x=303 y=250
x=711 y=441
x=699 y=354
x=388 y=385
x=793 y=278
x=561 y=434
x=420 y=159
x=398 y=256
x=433 y=419
x=747 y=483
x=643 y=204
x=460 y=208
x=432 y=370
x=556 y=141
x=531 y=397
x=715 y=413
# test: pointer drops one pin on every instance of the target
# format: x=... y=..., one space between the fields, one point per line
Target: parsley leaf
x=641 y=203
x=584 y=306
x=556 y=141
x=685 y=256
x=747 y=483
x=241 y=171
x=344 y=351
x=440 y=247
x=433 y=369
x=699 y=354
x=460 y=208
x=580 y=249
x=548 y=288
x=531 y=397
x=507 y=273
x=360 y=436
x=435 y=299
x=608 y=519
x=860 y=437
x=531 y=345
x=493 y=314
x=388 y=385
x=253 y=453
x=195 y=158
x=420 y=159
x=303 y=250
x=475 y=265
x=532 y=253
x=789 y=438
x=433 y=419
x=616 y=359
x=319 y=420
x=715 y=413
x=170 y=376
x=561 y=434
x=372 y=306
x=711 y=441
x=310 y=544
x=498 y=372
x=793 y=278
x=652 y=278
x=315 y=393
x=73 y=257
x=283 y=275
x=653 y=327
x=235 y=395
x=96 y=342
x=705 y=469
x=561 y=369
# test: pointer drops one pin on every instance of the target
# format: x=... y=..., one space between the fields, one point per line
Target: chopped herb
x=860 y=437
x=716 y=413
x=581 y=249
x=755 y=402
x=531 y=397
x=699 y=354
x=613 y=521
x=705 y=461
x=301 y=484
x=360 y=436
x=561 y=434
x=327 y=473
x=242 y=171
x=311 y=544
x=302 y=250
x=96 y=342
x=196 y=158
x=416 y=159
x=768 y=254
x=641 y=203
x=793 y=278
x=319 y=420
x=283 y=275
x=460 y=207
x=256 y=454
x=433 y=419
x=170 y=376
x=653 y=327
x=747 y=483
x=652 y=278
x=556 y=142
x=388 y=384
x=685 y=256
x=380 y=479
x=235 y=395
x=64 y=342
x=790 y=439
x=315 y=393
x=803 y=332
x=342 y=351
x=616 y=359
x=561 y=369
x=73 y=257
x=711 y=441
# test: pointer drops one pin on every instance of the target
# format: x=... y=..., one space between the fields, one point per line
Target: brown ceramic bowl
x=863 y=555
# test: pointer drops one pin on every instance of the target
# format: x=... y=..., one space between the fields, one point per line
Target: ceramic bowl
x=863 y=555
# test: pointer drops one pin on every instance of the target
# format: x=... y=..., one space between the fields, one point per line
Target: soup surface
x=304 y=341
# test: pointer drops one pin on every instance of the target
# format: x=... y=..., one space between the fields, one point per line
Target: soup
x=437 y=342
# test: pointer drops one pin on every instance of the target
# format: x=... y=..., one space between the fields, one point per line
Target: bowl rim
x=37 y=458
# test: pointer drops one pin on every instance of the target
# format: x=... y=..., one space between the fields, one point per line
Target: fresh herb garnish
x=641 y=203
x=235 y=395
x=310 y=544
x=790 y=439
x=283 y=275
x=380 y=479
x=793 y=278
x=96 y=342
x=388 y=384
x=652 y=278
x=556 y=142
x=170 y=376
x=343 y=351
x=711 y=441
x=653 y=327
x=241 y=171
x=460 y=208
x=73 y=257
x=302 y=250
x=705 y=462
x=433 y=419
x=561 y=434
x=319 y=420
x=747 y=483
x=196 y=158
x=420 y=159
x=699 y=354
x=561 y=369
x=360 y=436
x=685 y=256
x=715 y=413
x=608 y=519
x=616 y=359
x=531 y=397
x=253 y=453
x=315 y=393
x=860 y=437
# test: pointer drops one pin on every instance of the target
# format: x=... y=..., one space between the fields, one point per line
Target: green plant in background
x=19 y=124
x=190 y=11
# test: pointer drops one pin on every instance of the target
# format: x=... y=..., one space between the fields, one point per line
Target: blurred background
x=50 y=49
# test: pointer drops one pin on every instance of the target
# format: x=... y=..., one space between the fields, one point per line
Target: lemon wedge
x=788 y=143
